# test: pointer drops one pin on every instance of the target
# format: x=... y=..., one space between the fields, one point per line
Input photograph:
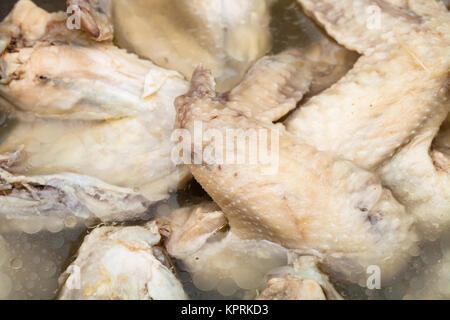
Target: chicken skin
x=226 y=36
x=386 y=111
x=397 y=84
x=121 y=263
x=86 y=108
x=312 y=202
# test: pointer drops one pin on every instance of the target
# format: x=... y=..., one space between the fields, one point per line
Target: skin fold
x=312 y=203
x=121 y=263
x=391 y=104
x=420 y=178
x=88 y=108
x=275 y=84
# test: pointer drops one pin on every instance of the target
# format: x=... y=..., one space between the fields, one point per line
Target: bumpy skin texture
x=313 y=202
x=398 y=83
x=121 y=263
x=274 y=84
x=419 y=176
x=393 y=101
x=227 y=36
x=50 y=199
x=86 y=107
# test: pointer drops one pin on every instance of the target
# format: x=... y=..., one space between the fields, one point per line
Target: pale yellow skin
x=386 y=111
x=419 y=176
x=120 y=263
x=84 y=107
x=313 y=203
x=225 y=36
x=394 y=87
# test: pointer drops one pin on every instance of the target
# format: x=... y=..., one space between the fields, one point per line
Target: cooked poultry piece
x=50 y=71
x=275 y=84
x=226 y=36
x=87 y=108
x=301 y=281
x=396 y=95
x=312 y=202
x=216 y=258
x=121 y=263
x=49 y=199
x=419 y=177
x=398 y=83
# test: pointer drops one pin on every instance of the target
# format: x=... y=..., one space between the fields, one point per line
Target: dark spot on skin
x=100 y=10
x=224 y=96
x=43 y=78
x=236 y=175
x=213 y=117
x=372 y=219
x=16 y=76
x=219 y=167
x=12 y=47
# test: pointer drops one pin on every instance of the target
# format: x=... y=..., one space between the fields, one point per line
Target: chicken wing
x=393 y=101
x=398 y=83
x=313 y=202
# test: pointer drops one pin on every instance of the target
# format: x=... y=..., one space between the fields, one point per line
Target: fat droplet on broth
x=70 y=222
x=247 y=278
x=32 y=227
x=16 y=263
x=55 y=226
x=204 y=281
x=227 y=287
